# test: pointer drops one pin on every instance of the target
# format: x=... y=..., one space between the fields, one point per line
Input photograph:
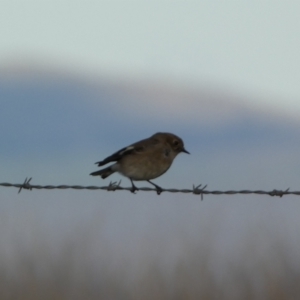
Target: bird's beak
x=185 y=151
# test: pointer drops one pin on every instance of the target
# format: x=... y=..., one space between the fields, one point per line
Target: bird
x=144 y=160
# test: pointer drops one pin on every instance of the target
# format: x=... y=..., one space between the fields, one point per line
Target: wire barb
x=26 y=185
x=279 y=193
x=113 y=186
x=198 y=191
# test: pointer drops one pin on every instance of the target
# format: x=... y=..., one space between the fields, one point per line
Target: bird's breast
x=145 y=166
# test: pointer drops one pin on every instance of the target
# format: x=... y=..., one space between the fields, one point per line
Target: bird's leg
x=133 y=188
x=158 y=188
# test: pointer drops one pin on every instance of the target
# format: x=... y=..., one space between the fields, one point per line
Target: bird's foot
x=158 y=188
x=133 y=187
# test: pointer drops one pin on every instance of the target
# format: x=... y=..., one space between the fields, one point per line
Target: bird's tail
x=104 y=172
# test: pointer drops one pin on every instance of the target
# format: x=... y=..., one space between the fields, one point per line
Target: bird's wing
x=133 y=149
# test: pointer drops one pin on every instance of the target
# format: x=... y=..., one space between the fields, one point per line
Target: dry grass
x=74 y=273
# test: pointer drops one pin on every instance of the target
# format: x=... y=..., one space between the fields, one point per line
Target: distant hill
x=46 y=109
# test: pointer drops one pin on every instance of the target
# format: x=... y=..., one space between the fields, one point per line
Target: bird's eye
x=175 y=143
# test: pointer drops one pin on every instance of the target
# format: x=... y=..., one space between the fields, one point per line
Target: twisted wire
x=114 y=186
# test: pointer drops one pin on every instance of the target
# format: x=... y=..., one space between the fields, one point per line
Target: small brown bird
x=144 y=160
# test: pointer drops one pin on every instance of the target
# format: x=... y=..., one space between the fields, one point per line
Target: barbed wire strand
x=114 y=186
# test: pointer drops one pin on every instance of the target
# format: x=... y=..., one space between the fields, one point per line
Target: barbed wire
x=114 y=186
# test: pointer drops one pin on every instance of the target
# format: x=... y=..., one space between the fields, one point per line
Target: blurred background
x=80 y=80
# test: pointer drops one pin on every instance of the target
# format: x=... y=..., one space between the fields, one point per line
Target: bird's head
x=175 y=142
